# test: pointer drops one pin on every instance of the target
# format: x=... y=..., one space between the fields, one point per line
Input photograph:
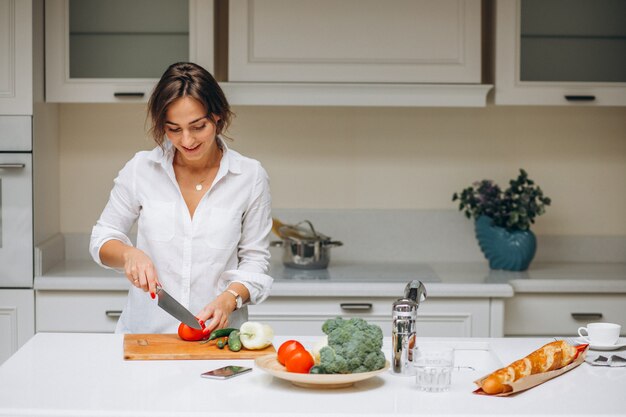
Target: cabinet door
x=394 y=41
x=116 y=50
x=16 y=57
x=17 y=320
x=561 y=314
x=16 y=220
x=558 y=52
x=79 y=311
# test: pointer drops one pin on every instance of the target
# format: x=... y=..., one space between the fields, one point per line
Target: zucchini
x=234 y=342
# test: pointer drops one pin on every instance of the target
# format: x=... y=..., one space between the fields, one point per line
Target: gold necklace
x=199 y=185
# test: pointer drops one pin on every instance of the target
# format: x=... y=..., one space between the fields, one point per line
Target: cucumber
x=234 y=342
x=221 y=343
x=221 y=333
x=317 y=369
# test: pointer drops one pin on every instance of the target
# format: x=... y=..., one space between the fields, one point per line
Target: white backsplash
x=433 y=236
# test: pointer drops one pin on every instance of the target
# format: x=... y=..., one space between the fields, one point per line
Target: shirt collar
x=165 y=156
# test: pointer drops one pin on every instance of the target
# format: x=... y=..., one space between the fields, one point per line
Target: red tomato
x=299 y=361
x=287 y=348
x=189 y=333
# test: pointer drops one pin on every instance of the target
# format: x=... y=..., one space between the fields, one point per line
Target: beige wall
x=407 y=158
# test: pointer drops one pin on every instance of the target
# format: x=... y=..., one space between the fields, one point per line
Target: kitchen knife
x=176 y=309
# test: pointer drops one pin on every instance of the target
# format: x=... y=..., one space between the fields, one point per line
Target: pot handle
x=333 y=243
x=277 y=244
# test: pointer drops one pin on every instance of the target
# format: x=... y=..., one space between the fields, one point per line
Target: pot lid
x=299 y=232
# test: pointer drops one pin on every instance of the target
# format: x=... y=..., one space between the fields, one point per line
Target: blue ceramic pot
x=505 y=249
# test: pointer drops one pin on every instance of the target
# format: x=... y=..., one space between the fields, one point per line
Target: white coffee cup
x=600 y=333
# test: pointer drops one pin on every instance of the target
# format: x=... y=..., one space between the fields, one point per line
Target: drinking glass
x=433 y=367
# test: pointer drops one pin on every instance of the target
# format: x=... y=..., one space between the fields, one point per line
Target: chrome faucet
x=404 y=319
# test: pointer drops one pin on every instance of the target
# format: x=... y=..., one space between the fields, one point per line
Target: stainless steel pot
x=305 y=249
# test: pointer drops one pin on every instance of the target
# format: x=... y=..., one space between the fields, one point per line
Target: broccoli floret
x=331 y=324
x=332 y=363
x=354 y=346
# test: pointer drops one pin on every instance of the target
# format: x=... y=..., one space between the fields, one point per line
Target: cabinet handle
x=587 y=316
x=113 y=313
x=579 y=98
x=356 y=306
x=129 y=95
x=6 y=166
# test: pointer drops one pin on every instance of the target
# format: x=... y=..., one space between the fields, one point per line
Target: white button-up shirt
x=196 y=259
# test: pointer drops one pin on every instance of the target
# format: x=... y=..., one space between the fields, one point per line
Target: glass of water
x=433 y=367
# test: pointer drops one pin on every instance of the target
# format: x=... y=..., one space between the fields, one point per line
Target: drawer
x=301 y=316
x=560 y=315
x=78 y=311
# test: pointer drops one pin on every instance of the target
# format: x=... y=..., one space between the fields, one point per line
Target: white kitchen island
x=63 y=374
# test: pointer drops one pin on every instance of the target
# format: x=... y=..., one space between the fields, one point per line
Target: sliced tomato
x=287 y=348
x=299 y=361
x=189 y=333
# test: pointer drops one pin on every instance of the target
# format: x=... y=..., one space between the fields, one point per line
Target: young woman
x=203 y=213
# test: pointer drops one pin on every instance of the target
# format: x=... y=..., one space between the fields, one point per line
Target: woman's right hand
x=140 y=270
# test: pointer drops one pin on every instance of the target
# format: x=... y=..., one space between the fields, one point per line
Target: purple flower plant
x=514 y=208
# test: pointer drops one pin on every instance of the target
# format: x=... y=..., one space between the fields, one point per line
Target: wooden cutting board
x=170 y=346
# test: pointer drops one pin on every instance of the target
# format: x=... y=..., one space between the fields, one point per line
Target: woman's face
x=190 y=130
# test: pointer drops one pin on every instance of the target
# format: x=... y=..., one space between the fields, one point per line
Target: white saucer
x=620 y=344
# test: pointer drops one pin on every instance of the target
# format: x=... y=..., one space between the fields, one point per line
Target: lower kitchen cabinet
x=17 y=320
x=561 y=314
x=79 y=311
x=98 y=311
x=453 y=317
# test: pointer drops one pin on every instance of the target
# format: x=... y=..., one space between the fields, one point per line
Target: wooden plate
x=270 y=364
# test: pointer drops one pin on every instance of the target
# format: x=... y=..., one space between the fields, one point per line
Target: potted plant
x=503 y=219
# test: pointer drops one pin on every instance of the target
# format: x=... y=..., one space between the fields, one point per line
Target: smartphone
x=226 y=372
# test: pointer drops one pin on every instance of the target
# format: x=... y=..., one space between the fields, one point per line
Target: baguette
x=554 y=355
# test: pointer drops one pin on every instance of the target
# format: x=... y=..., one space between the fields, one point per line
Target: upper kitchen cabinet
x=355 y=52
x=16 y=57
x=560 y=52
x=370 y=41
x=116 y=50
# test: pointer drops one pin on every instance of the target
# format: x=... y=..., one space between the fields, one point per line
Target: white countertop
x=473 y=279
x=348 y=279
x=85 y=375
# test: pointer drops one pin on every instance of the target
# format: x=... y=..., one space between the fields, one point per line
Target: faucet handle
x=415 y=291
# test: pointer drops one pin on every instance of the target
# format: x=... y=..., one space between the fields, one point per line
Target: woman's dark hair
x=186 y=79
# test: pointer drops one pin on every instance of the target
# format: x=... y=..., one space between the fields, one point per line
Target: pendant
x=198 y=187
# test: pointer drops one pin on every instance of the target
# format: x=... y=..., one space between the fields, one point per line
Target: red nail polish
x=153 y=295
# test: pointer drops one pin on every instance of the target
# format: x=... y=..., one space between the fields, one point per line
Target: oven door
x=16 y=220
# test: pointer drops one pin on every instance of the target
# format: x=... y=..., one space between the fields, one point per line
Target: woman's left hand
x=218 y=312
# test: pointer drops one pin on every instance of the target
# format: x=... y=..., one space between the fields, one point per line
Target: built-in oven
x=16 y=208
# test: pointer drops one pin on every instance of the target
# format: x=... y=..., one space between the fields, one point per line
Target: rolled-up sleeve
x=253 y=250
x=119 y=214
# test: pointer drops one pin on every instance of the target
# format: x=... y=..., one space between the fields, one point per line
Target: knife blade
x=176 y=309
